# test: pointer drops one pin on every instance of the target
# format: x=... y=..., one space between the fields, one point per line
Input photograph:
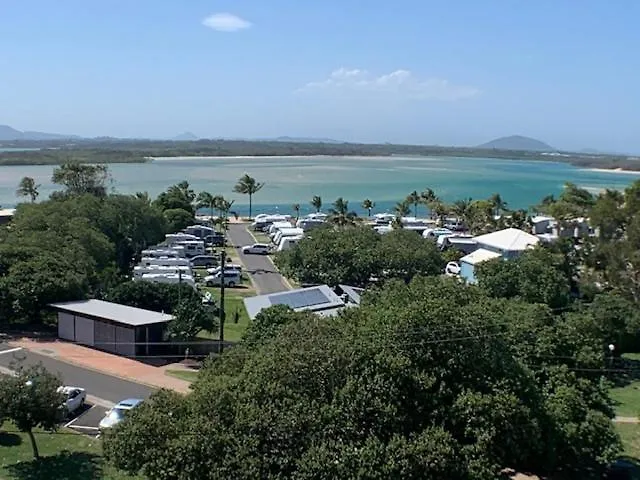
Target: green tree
x=316 y=202
x=32 y=401
x=368 y=205
x=28 y=188
x=248 y=186
x=157 y=297
x=404 y=254
x=80 y=179
x=178 y=219
x=340 y=215
x=429 y=198
x=463 y=210
x=296 y=208
x=498 y=204
x=402 y=209
x=178 y=196
x=414 y=199
x=189 y=318
x=207 y=200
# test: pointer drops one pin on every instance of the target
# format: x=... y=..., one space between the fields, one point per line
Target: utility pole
x=179 y=285
x=222 y=280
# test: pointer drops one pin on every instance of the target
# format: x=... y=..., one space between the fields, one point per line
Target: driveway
x=260 y=267
x=104 y=387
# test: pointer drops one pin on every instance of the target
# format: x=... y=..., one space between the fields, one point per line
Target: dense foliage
x=357 y=255
x=446 y=383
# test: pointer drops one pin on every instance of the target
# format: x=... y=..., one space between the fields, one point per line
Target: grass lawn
x=631 y=356
x=188 y=375
x=630 y=435
x=627 y=399
x=65 y=455
x=232 y=302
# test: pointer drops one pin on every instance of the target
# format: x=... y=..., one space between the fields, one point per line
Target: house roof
x=509 y=239
x=115 y=312
x=316 y=299
x=480 y=255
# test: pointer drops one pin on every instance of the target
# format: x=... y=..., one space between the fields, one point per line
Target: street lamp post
x=222 y=280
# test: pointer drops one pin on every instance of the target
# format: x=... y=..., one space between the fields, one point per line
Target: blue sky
x=459 y=72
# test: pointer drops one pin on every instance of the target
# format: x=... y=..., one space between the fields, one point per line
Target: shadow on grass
x=624 y=468
x=64 y=466
x=9 y=439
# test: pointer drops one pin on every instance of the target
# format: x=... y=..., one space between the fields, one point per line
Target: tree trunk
x=34 y=446
x=250 y=206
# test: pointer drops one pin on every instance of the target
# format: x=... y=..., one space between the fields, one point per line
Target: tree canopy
x=445 y=384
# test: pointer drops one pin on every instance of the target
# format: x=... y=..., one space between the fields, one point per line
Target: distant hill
x=8 y=133
x=185 y=137
x=518 y=142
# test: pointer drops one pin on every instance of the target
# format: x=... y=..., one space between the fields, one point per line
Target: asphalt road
x=260 y=267
x=99 y=385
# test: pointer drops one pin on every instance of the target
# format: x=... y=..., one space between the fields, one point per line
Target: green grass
x=64 y=455
x=631 y=356
x=627 y=399
x=232 y=302
x=630 y=436
x=187 y=375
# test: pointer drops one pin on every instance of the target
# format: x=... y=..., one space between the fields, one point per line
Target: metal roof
x=509 y=239
x=115 y=312
x=314 y=299
x=480 y=255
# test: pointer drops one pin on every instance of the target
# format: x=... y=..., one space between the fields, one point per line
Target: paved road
x=100 y=385
x=260 y=267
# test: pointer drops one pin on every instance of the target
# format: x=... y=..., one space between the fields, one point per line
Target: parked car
x=204 y=261
x=231 y=279
x=256 y=249
x=118 y=413
x=227 y=267
x=74 y=398
x=215 y=240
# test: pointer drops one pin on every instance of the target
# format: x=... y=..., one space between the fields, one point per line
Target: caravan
x=287 y=232
x=200 y=231
x=140 y=270
x=166 y=261
x=288 y=242
x=158 y=251
x=172 y=278
x=171 y=239
x=192 y=248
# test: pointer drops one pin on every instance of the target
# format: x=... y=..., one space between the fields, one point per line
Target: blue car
x=118 y=413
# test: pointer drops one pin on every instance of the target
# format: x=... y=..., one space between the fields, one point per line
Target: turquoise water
x=385 y=180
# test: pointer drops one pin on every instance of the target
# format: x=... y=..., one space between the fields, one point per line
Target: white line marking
x=85 y=428
x=78 y=417
x=11 y=350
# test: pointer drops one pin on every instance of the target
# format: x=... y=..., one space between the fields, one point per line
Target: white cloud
x=401 y=83
x=226 y=22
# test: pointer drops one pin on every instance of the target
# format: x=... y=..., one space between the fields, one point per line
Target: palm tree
x=428 y=197
x=402 y=209
x=340 y=214
x=440 y=210
x=206 y=200
x=462 y=210
x=28 y=188
x=414 y=199
x=225 y=206
x=368 y=206
x=296 y=208
x=248 y=186
x=316 y=202
x=498 y=204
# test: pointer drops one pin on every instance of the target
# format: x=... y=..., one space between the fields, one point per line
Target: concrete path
x=626 y=420
x=263 y=272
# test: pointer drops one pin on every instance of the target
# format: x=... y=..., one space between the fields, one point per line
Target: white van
x=167 y=261
x=287 y=242
x=287 y=232
x=192 y=248
x=231 y=279
x=228 y=267
x=274 y=227
x=172 y=278
x=140 y=270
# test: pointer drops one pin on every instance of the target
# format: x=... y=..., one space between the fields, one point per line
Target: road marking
x=80 y=427
x=78 y=417
x=11 y=350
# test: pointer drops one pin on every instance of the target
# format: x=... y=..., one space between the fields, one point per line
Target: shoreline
x=613 y=170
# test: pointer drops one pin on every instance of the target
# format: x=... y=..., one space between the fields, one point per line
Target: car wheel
x=232 y=284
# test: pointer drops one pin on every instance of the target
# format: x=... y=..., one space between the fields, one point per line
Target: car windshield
x=117 y=414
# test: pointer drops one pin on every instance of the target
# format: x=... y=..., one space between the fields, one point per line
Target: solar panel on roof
x=305 y=298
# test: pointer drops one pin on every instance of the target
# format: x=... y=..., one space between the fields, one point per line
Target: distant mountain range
x=8 y=133
x=518 y=142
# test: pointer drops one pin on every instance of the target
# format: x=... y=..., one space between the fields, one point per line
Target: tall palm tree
x=402 y=209
x=296 y=208
x=316 y=202
x=340 y=215
x=248 y=186
x=28 y=188
x=368 y=205
x=462 y=209
x=428 y=197
x=144 y=196
x=414 y=199
x=440 y=210
x=207 y=200
x=498 y=204
x=225 y=206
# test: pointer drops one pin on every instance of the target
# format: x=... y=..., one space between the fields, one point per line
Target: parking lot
x=86 y=420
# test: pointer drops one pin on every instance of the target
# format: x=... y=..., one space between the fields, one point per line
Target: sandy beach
x=613 y=170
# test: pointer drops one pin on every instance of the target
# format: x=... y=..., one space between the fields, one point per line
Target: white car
x=118 y=412
x=256 y=249
x=74 y=398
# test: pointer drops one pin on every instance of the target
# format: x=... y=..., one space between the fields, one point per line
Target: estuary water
x=384 y=180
